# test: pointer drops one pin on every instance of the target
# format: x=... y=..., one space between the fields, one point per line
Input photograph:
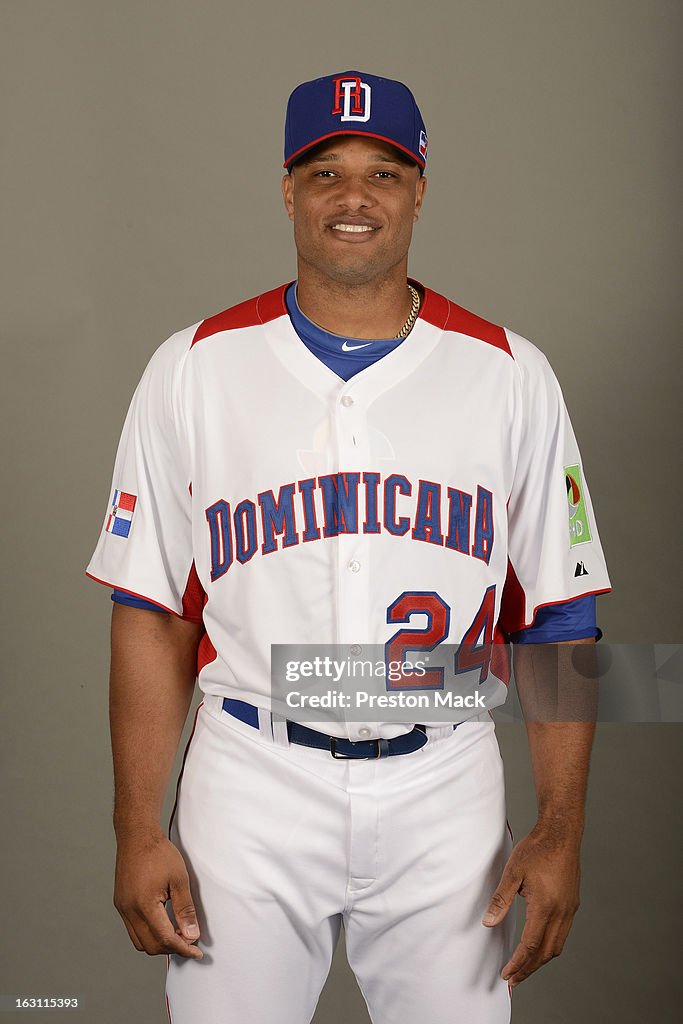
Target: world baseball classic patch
x=579 y=529
x=121 y=513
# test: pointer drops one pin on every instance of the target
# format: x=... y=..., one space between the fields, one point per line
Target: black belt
x=338 y=746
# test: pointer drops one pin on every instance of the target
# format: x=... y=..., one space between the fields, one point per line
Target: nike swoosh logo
x=349 y=348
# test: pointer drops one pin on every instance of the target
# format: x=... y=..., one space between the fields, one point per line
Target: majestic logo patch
x=581 y=569
x=352 y=99
x=579 y=530
x=121 y=513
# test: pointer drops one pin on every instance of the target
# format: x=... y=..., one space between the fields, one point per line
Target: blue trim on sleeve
x=121 y=597
x=570 y=620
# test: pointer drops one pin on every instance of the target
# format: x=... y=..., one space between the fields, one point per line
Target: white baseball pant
x=284 y=843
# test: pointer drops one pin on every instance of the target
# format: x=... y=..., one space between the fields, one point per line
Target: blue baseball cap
x=353 y=103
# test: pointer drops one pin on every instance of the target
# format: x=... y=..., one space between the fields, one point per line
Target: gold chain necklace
x=412 y=316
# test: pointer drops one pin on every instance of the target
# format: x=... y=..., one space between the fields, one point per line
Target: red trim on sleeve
x=563 y=600
x=513 y=604
x=259 y=310
x=194 y=600
x=133 y=593
x=448 y=316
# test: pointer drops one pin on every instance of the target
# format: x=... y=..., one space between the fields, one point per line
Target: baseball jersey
x=435 y=498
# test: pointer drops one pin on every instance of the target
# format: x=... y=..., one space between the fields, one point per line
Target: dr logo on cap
x=353 y=103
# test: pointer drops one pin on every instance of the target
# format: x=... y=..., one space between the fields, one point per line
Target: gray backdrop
x=140 y=188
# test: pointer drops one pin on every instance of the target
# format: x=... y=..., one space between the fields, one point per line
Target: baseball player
x=349 y=459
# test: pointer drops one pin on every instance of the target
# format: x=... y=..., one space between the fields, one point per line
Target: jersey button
x=364 y=732
x=347 y=401
x=354 y=566
x=355 y=648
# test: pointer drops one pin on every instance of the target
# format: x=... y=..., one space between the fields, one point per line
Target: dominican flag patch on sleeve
x=121 y=513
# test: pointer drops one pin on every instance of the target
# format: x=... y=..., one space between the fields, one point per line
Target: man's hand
x=149 y=872
x=544 y=868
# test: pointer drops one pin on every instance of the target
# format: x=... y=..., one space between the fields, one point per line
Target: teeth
x=352 y=227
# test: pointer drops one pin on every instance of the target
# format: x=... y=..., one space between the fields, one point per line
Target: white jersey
x=437 y=497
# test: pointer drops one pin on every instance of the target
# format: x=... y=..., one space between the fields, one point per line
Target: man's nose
x=354 y=193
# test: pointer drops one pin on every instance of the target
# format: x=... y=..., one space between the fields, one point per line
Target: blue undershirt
x=329 y=348
x=570 y=620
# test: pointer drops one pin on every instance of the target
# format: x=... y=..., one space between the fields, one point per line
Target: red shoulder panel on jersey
x=258 y=310
x=441 y=312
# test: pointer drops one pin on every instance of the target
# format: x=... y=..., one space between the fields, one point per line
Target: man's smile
x=353 y=227
x=351 y=231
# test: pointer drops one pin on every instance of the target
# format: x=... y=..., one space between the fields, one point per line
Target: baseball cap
x=353 y=103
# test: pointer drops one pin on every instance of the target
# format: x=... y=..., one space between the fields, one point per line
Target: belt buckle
x=350 y=757
x=339 y=757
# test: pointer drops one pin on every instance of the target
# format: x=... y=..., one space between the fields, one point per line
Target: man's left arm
x=559 y=705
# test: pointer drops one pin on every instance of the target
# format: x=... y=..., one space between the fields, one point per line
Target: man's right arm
x=153 y=674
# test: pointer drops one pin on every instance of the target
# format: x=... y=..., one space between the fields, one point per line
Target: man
x=350 y=460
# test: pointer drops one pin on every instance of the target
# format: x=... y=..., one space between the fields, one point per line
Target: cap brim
x=349 y=131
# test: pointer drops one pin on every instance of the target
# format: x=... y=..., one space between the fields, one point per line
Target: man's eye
x=320 y=174
x=386 y=174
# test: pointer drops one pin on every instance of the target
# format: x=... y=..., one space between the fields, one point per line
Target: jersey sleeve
x=145 y=544
x=569 y=620
x=554 y=549
x=122 y=597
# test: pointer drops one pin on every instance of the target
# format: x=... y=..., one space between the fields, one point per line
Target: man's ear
x=420 y=189
x=288 y=194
